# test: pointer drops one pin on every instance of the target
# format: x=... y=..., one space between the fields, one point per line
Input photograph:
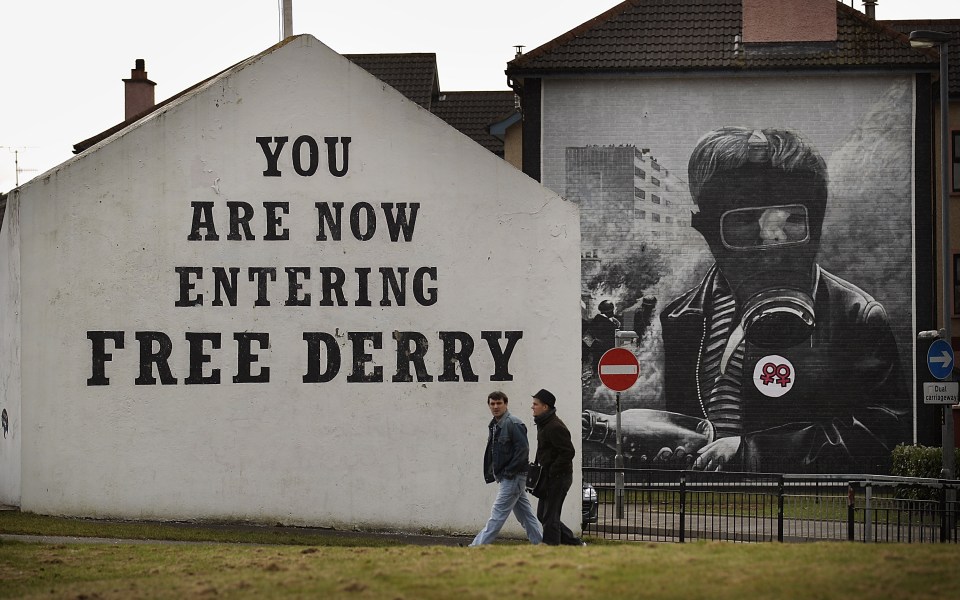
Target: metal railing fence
x=668 y=505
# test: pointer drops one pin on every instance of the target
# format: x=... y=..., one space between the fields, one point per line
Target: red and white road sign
x=618 y=369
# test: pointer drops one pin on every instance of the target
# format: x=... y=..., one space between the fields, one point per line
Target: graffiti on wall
x=196 y=288
x=756 y=354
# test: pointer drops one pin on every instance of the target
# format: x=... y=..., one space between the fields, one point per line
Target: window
x=639 y=193
x=655 y=181
x=640 y=173
x=669 y=219
x=655 y=198
x=640 y=214
x=956 y=162
x=655 y=217
x=655 y=165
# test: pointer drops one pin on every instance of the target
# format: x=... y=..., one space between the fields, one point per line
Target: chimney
x=777 y=21
x=870 y=8
x=138 y=91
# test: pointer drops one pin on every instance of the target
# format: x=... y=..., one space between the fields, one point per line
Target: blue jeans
x=511 y=496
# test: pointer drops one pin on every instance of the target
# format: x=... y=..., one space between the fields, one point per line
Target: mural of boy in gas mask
x=794 y=368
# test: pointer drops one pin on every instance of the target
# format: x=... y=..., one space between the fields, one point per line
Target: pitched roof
x=951 y=26
x=414 y=75
x=90 y=141
x=684 y=35
x=473 y=112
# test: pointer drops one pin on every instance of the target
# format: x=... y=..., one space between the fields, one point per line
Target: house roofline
x=565 y=37
x=516 y=69
x=81 y=146
x=726 y=71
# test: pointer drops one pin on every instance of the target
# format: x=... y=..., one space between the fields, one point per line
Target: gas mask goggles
x=764 y=227
x=771 y=272
x=766 y=251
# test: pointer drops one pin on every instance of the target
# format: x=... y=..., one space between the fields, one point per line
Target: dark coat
x=555 y=450
x=847 y=407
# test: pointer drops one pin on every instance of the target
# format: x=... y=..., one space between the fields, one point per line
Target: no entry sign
x=618 y=369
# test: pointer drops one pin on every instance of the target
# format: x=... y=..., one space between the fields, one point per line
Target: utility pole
x=286 y=16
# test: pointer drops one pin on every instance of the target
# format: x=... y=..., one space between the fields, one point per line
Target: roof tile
x=651 y=35
x=414 y=74
x=951 y=26
x=473 y=112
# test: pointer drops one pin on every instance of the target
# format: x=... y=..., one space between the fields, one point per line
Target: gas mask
x=763 y=226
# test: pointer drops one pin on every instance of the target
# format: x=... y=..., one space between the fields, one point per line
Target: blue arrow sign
x=940 y=359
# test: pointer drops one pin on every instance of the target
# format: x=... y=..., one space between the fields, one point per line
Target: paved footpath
x=412 y=539
x=59 y=539
x=404 y=538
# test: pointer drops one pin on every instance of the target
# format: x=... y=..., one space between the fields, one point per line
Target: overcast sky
x=64 y=59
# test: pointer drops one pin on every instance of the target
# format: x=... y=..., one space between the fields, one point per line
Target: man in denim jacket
x=505 y=461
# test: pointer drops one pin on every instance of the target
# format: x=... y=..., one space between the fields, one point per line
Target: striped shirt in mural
x=722 y=397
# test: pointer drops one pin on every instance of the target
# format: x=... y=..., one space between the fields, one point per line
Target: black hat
x=546 y=397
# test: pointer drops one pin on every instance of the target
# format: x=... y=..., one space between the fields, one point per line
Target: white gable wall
x=101 y=239
x=10 y=353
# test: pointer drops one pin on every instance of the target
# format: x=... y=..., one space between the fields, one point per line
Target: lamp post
x=929 y=39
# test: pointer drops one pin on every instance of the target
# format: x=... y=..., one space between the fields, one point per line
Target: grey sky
x=63 y=59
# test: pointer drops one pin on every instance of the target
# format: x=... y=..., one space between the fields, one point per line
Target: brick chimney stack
x=781 y=21
x=138 y=91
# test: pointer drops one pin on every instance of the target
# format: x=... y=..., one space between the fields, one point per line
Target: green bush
x=919 y=461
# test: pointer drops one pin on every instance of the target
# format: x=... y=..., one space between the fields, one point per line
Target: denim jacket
x=508 y=451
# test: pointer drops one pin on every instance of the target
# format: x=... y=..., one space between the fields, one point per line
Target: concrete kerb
x=57 y=539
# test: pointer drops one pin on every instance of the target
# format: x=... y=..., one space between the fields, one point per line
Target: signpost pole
x=618 y=463
x=618 y=370
x=940 y=362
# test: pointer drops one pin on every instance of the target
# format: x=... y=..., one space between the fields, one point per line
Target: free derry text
x=360 y=357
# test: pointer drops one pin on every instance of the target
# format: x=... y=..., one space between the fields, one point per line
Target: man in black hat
x=555 y=454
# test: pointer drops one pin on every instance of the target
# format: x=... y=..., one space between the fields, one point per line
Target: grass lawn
x=702 y=570
x=320 y=565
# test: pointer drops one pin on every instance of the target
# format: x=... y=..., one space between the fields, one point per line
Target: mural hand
x=715 y=455
x=664 y=454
